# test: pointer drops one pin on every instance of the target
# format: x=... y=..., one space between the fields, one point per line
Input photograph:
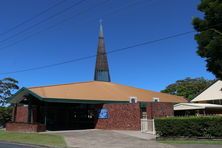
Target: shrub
x=5 y=115
x=202 y=126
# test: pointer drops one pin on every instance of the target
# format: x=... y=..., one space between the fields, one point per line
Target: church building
x=99 y=104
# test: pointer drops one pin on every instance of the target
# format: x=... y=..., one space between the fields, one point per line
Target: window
x=133 y=100
x=156 y=99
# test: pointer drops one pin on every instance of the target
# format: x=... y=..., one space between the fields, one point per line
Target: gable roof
x=98 y=90
x=213 y=92
x=93 y=91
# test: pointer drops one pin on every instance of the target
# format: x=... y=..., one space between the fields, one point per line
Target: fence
x=147 y=126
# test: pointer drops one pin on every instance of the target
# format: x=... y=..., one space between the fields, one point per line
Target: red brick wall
x=25 y=127
x=22 y=114
x=159 y=109
x=121 y=117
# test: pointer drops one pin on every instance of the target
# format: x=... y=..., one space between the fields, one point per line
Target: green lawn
x=179 y=141
x=33 y=138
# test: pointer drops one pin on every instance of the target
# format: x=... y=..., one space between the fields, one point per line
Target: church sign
x=103 y=113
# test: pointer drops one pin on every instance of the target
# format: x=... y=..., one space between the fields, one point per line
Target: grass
x=180 y=141
x=33 y=138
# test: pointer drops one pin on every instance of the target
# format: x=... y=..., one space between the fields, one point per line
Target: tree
x=209 y=36
x=7 y=86
x=188 y=87
x=5 y=115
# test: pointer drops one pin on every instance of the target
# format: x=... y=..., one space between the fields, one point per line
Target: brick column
x=14 y=113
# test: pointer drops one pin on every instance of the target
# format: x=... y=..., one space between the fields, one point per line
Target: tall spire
x=101 y=29
x=102 y=68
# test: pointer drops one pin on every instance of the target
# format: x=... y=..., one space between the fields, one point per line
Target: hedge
x=5 y=115
x=202 y=126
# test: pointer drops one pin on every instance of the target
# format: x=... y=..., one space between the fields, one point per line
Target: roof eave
x=65 y=100
x=23 y=91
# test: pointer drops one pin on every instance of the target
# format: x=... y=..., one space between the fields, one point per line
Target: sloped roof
x=195 y=106
x=213 y=92
x=98 y=90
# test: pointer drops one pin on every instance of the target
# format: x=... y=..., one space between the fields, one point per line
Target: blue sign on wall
x=103 y=113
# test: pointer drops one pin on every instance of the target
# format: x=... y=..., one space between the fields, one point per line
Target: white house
x=213 y=94
x=207 y=102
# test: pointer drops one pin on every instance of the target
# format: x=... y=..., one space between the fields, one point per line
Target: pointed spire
x=100 y=28
x=102 y=68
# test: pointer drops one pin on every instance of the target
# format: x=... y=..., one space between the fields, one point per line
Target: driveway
x=117 y=139
x=110 y=139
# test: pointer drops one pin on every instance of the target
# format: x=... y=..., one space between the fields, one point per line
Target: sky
x=64 y=33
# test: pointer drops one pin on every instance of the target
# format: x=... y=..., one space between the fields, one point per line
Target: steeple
x=102 y=68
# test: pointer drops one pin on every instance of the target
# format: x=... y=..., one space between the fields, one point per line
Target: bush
x=207 y=126
x=5 y=115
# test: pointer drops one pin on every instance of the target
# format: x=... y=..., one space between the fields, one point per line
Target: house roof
x=213 y=92
x=98 y=90
x=94 y=91
x=195 y=106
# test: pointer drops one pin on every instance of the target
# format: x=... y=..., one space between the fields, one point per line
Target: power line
x=44 y=20
x=93 y=56
x=50 y=65
x=49 y=27
x=67 y=19
x=32 y=18
x=109 y=52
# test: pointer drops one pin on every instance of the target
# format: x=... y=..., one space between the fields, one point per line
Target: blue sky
x=126 y=22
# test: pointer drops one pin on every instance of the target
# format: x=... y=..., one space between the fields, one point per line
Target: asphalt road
x=13 y=145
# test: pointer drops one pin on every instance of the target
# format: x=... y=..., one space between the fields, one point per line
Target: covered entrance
x=62 y=116
x=55 y=114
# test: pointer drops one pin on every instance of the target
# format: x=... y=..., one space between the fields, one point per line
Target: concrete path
x=109 y=139
x=136 y=134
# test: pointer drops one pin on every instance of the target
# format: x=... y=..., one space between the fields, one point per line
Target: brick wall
x=22 y=114
x=25 y=127
x=159 y=109
x=121 y=117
